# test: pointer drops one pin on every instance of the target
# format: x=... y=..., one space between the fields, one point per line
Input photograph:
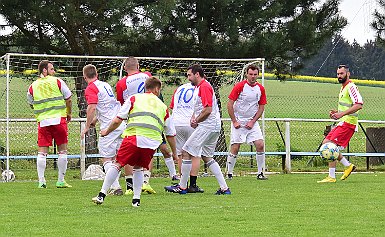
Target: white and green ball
x=329 y=151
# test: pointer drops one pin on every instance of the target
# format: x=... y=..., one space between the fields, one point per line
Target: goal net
x=18 y=129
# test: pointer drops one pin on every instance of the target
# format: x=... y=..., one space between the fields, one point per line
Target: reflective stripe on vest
x=344 y=103
x=48 y=101
x=146 y=117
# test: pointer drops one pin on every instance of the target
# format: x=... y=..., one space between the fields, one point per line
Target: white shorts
x=202 y=142
x=244 y=135
x=109 y=145
x=182 y=135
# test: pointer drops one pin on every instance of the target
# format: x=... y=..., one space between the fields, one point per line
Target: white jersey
x=182 y=104
x=204 y=96
x=107 y=107
x=130 y=85
x=247 y=99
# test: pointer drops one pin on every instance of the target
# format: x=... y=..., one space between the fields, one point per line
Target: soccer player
x=182 y=105
x=129 y=85
x=245 y=106
x=349 y=103
x=148 y=118
x=207 y=123
x=50 y=99
x=103 y=107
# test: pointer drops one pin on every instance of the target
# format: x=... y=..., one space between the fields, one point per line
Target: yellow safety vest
x=344 y=103
x=146 y=117
x=48 y=101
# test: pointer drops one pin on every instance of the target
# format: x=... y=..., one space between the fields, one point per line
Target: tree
x=379 y=22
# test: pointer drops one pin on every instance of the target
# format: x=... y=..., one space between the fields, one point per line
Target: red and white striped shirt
x=247 y=99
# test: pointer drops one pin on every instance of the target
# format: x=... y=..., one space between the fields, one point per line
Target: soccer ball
x=11 y=176
x=329 y=151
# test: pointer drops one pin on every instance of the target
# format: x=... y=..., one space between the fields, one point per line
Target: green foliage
x=292 y=205
x=184 y=28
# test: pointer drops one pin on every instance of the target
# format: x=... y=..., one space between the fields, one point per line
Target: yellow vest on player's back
x=344 y=103
x=48 y=101
x=146 y=117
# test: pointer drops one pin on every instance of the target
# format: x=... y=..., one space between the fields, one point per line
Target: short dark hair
x=252 y=67
x=196 y=68
x=43 y=65
x=152 y=83
x=344 y=66
x=90 y=71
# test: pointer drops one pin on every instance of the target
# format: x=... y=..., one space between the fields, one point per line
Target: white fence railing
x=288 y=153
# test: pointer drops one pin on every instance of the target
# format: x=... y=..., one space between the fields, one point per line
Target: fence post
x=287 y=147
x=82 y=151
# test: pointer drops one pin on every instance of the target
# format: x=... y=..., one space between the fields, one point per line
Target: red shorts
x=58 y=132
x=130 y=154
x=341 y=134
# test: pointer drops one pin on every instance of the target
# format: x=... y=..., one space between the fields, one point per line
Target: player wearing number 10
x=103 y=107
x=50 y=99
x=182 y=105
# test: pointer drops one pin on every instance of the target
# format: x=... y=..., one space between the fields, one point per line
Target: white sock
x=332 y=172
x=260 y=161
x=147 y=176
x=185 y=169
x=345 y=162
x=216 y=170
x=137 y=179
x=111 y=176
x=171 y=166
x=231 y=160
x=107 y=165
x=62 y=165
x=41 y=163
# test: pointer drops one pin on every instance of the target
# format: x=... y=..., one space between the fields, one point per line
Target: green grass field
x=284 y=205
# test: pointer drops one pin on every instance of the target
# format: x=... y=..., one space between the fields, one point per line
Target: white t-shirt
x=182 y=104
x=247 y=99
x=130 y=85
x=204 y=96
x=107 y=107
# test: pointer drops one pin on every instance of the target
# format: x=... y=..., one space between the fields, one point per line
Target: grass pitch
x=284 y=205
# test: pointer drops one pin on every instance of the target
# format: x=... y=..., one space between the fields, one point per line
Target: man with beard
x=349 y=104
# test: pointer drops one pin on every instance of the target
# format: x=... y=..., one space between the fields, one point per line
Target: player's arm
x=69 y=108
x=113 y=125
x=351 y=110
x=30 y=97
x=122 y=115
x=91 y=108
x=67 y=97
x=230 y=109
x=257 y=115
x=206 y=111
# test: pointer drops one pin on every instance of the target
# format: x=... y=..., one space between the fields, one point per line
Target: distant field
x=290 y=99
x=284 y=205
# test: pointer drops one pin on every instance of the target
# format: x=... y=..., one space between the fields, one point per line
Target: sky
x=359 y=14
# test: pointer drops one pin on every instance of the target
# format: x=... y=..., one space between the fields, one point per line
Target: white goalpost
x=18 y=133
